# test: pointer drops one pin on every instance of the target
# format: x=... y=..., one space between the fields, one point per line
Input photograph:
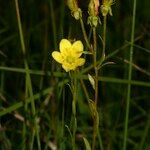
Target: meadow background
x=34 y=88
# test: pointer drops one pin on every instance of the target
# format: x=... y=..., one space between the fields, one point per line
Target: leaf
x=92 y=81
x=87 y=52
x=104 y=64
x=87 y=145
x=70 y=88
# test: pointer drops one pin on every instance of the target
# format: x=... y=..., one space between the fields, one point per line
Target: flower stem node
x=69 y=55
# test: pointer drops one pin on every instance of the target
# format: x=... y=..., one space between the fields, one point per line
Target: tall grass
x=129 y=77
x=37 y=96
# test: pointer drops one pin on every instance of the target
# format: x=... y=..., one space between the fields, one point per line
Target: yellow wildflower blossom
x=69 y=55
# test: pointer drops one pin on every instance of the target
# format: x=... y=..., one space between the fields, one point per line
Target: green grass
x=35 y=92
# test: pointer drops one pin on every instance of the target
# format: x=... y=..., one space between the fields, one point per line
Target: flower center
x=70 y=59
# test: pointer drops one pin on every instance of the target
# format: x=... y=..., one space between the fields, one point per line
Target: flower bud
x=106 y=7
x=72 y=4
x=93 y=20
x=75 y=10
x=77 y=14
x=93 y=7
x=93 y=12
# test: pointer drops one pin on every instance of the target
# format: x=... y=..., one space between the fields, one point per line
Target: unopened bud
x=77 y=14
x=93 y=7
x=75 y=10
x=106 y=7
x=93 y=20
x=93 y=12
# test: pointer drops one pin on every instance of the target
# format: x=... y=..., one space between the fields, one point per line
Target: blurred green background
x=44 y=24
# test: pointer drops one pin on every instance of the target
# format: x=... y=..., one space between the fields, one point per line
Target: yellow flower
x=69 y=55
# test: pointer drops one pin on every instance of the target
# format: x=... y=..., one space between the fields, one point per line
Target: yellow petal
x=65 y=67
x=64 y=46
x=80 y=61
x=77 y=48
x=57 y=56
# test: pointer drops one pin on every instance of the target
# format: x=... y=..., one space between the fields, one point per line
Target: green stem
x=85 y=90
x=96 y=87
x=145 y=134
x=24 y=125
x=53 y=23
x=62 y=146
x=84 y=34
x=2 y=79
x=95 y=64
x=45 y=51
x=104 y=37
x=28 y=78
x=111 y=54
x=88 y=97
x=74 y=112
x=129 y=79
x=100 y=140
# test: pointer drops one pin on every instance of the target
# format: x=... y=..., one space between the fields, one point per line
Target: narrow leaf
x=87 y=145
x=87 y=52
x=92 y=81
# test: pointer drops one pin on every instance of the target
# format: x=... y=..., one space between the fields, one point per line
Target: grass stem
x=104 y=36
x=74 y=101
x=129 y=78
x=96 y=86
x=28 y=78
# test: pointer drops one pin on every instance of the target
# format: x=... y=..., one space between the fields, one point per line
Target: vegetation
x=94 y=94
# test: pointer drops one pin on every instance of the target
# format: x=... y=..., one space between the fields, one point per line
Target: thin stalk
x=24 y=125
x=62 y=146
x=111 y=54
x=53 y=124
x=74 y=113
x=88 y=97
x=28 y=78
x=24 y=136
x=145 y=134
x=85 y=90
x=84 y=34
x=32 y=140
x=100 y=140
x=95 y=64
x=96 y=87
x=61 y=29
x=104 y=36
x=53 y=23
x=129 y=78
x=2 y=79
x=45 y=52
